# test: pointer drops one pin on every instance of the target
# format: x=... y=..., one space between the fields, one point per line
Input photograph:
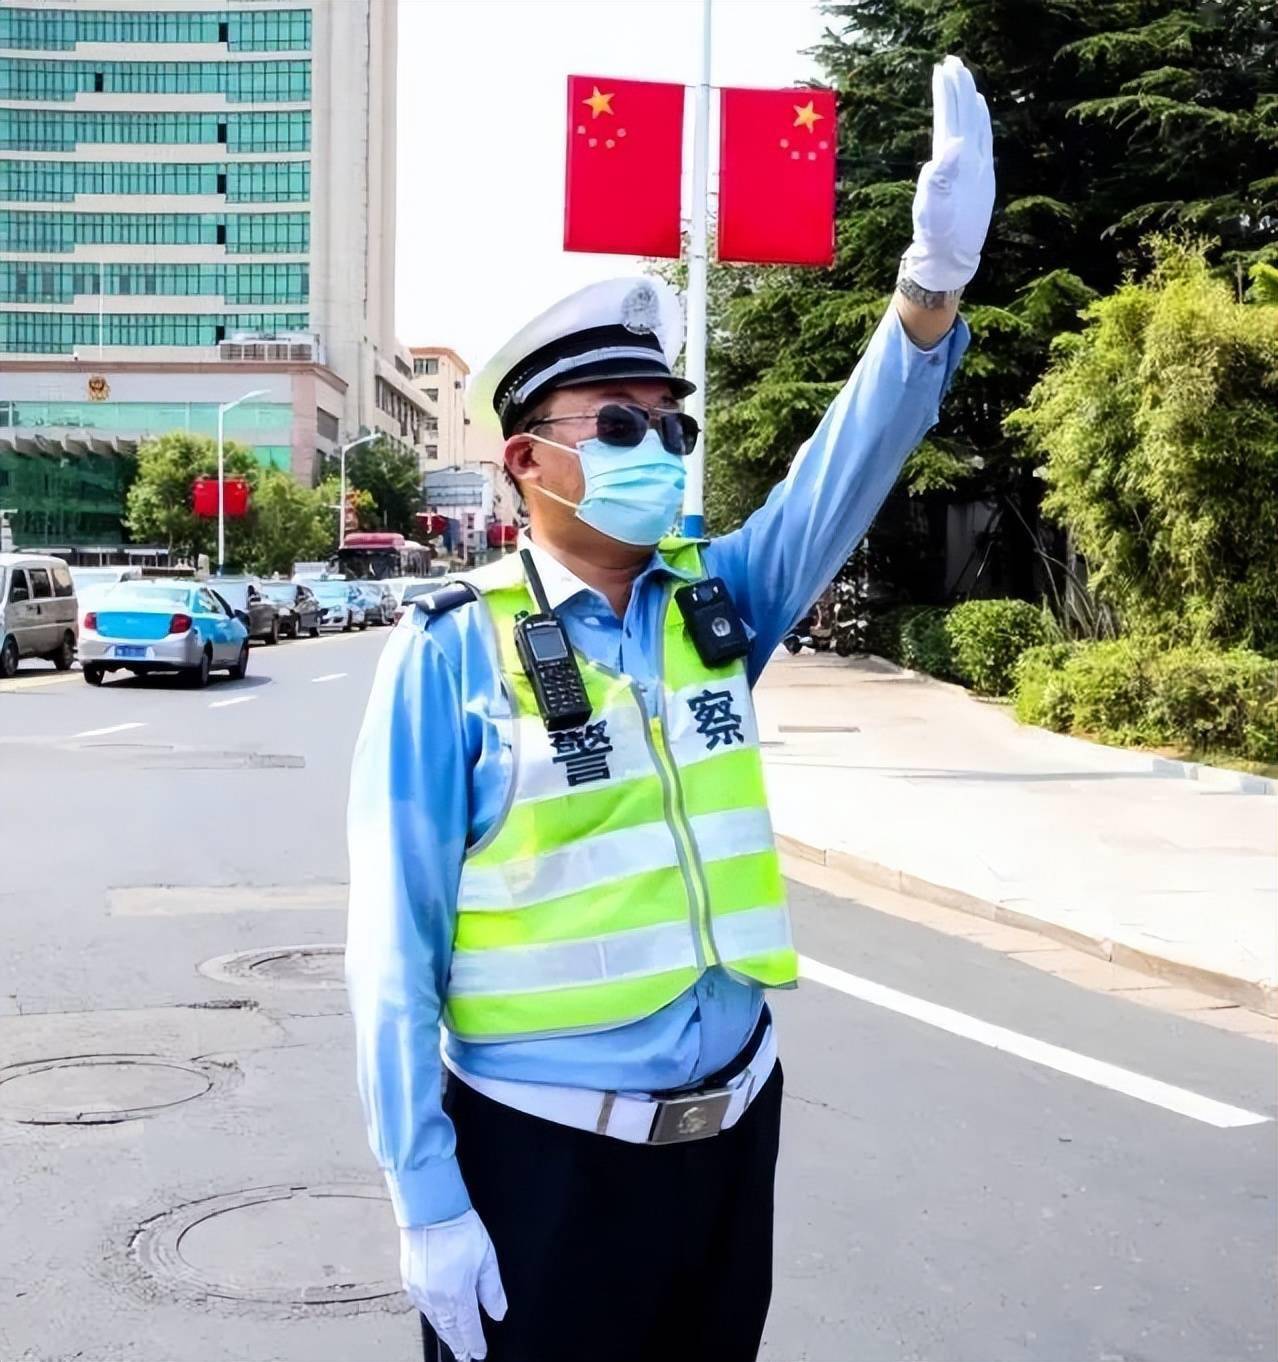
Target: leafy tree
x=285 y=522
x=158 y=505
x=1109 y=116
x=329 y=493
x=392 y=479
x=1158 y=425
x=290 y=524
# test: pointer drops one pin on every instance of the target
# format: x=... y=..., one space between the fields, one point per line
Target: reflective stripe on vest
x=632 y=853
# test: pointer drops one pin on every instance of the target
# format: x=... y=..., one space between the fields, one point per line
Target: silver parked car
x=39 y=616
x=380 y=604
x=343 y=605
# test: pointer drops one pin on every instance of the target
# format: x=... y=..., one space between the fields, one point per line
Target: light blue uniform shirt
x=432 y=766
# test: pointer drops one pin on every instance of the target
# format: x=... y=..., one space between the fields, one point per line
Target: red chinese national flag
x=776 y=176
x=625 y=153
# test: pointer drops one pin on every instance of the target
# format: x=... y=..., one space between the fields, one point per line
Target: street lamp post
x=341 y=501
x=223 y=408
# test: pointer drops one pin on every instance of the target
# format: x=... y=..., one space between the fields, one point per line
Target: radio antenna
x=534 y=581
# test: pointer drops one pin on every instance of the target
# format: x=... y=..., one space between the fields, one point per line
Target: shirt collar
x=562 y=584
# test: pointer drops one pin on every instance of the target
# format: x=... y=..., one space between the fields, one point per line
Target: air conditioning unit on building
x=302 y=346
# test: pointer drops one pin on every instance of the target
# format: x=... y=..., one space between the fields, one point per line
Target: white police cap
x=618 y=328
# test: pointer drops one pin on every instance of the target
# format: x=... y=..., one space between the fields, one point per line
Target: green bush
x=1109 y=691
x=1217 y=700
x=1137 y=691
x=1038 y=688
x=986 y=638
x=913 y=636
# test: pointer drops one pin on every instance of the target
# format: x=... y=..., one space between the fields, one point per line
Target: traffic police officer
x=592 y=910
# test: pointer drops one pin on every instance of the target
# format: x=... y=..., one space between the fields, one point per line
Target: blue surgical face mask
x=632 y=493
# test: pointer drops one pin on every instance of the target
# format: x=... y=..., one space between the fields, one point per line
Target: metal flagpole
x=694 y=523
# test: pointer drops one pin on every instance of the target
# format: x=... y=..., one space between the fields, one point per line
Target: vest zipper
x=695 y=871
x=659 y=752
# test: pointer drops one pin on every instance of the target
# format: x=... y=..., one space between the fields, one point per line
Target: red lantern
x=235 y=496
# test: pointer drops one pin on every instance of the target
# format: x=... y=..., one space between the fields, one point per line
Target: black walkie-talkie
x=549 y=661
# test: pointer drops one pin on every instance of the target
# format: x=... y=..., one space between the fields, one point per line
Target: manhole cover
x=100 y=1089
x=281 y=967
x=322 y=1245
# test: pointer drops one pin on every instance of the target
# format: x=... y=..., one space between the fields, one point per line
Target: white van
x=39 y=615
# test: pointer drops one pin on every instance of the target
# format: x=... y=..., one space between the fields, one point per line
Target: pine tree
x=1111 y=118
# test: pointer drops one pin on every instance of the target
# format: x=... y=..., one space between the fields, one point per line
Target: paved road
x=981 y=1163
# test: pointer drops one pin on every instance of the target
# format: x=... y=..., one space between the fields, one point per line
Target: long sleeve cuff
x=425 y=1196
x=914 y=362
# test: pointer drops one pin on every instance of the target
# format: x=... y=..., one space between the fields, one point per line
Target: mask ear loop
x=545 y=491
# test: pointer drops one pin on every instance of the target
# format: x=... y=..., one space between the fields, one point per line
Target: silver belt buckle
x=694 y=1117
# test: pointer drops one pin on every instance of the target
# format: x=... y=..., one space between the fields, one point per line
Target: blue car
x=162 y=627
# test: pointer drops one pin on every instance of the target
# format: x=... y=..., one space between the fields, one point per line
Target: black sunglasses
x=624 y=424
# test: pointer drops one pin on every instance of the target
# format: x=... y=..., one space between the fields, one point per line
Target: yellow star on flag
x=602 y=103
x=806 y=116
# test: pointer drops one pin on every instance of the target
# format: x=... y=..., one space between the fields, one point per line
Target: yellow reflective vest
x=632 y=854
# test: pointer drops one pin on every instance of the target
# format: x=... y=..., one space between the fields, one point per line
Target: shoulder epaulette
x=448 y=597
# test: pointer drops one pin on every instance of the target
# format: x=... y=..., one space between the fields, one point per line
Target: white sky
x=481 y=140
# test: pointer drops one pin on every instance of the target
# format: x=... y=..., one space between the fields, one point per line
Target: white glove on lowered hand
x=449 y=1270
x=955 y=195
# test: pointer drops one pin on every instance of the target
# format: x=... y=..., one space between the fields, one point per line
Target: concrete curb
x=1257 y=997
x=1221 y=778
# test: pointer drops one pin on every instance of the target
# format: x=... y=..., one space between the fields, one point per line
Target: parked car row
x=117 y=620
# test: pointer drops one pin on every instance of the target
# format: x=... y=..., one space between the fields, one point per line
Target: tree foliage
x=1158 y=427
x=289 y=524
x=285 y=522
x=393 y=482
x=1109 y=116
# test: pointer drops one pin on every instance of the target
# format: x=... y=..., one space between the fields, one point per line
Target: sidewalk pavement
x=914 y=784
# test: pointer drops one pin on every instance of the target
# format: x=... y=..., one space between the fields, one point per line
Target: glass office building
x=155 y=175
x=186 y=187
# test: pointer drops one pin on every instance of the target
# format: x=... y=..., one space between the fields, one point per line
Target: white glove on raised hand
x=449 y=1270
x=955 y=195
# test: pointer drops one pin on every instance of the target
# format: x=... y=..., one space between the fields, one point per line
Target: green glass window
x=134 y=418
x=241 y=82
x=23 y=281
x=242 y=182
x=242 y=233
x=268 y=132
x=280 y=30
x=264 y=182
x=274 y=456
x=63 y=501
x=58 y=130
x=60 y=181
x=53 y=333
x=287 y=30
x=52 y=30
x=253 y=233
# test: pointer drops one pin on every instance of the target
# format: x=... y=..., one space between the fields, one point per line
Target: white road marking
x=102 y=732
x=328 y=676
x=31 y=681
x=1098 y=1071
x=235 y=700
x=185 y=900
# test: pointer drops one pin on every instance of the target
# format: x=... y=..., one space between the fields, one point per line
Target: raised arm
x=788 y=552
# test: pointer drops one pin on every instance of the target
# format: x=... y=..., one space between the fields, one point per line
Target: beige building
x=464 y=470
x=201 y=184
